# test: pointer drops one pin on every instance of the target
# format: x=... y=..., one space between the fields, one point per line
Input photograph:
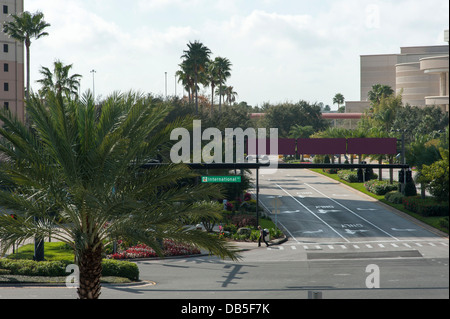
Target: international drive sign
x=221 y=179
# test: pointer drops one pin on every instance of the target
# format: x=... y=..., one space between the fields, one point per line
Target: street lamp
x=93 y=83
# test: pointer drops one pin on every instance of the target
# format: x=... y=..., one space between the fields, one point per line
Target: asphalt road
x=341 y=244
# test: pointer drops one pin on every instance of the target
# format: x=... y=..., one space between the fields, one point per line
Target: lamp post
x=93 y=83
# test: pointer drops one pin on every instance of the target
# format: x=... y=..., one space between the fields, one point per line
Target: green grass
x=53 y=251
x=432 y=221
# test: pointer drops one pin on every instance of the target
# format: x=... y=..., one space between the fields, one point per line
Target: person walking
x=262 y=236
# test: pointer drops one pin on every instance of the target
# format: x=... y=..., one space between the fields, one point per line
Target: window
x=6 y=106
x=5 y=9
x=6 y=67
x=5 y=48
x=6 y=86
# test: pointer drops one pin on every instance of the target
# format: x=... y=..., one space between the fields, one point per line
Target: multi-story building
x=11 y=63
x=420 y=73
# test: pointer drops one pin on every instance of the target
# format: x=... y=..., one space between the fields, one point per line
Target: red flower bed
x=143 y=251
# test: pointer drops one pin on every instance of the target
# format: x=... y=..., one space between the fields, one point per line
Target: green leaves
x=77 y=174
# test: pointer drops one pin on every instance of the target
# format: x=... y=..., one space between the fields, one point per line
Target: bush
x=380 y=187
x=426 y=207
x=394 y=197
x=244 y=220
x=348 y=175
x=118 y=268
x=58 y=268
x=443 y=222
x=34 y=268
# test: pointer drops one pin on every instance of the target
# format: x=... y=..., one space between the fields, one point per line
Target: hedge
x=348 y=175
x=380 y=187
x=115 y=268
x=426 y=207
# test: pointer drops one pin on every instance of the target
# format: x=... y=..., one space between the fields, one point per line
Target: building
x=11 y=63
x=420 y=73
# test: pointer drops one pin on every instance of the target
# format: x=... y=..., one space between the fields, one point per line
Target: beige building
x=420 y=73
x=11 y=63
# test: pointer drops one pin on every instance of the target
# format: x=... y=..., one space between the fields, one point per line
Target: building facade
x=11 y=63
x=420 y=73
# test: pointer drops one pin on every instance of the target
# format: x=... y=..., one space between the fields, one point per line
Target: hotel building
x=11 y=63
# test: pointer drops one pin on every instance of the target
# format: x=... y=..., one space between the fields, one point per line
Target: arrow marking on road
x=370 y=209
x=352 y=232
x=325 y=211
x=409 y=230
x=313 y=232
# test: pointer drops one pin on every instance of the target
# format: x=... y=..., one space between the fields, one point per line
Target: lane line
x=313 y=213
x=353 y=212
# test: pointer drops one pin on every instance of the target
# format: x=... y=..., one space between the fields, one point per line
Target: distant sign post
x=221 y=179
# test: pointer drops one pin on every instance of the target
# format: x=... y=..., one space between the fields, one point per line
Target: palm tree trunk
x=212 y=99
x=27 y=95
x=90 y=264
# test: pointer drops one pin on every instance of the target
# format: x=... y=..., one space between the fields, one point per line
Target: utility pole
x=93 y=83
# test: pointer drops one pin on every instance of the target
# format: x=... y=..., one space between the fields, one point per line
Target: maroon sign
x=372 y=146
x=321 y=146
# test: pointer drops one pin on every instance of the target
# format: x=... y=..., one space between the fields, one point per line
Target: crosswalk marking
x=358 y=246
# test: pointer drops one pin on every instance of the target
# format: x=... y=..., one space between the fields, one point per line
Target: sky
x=280 y=50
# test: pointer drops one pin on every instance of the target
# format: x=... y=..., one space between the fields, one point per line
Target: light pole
x=165 y=75
x=93 y=83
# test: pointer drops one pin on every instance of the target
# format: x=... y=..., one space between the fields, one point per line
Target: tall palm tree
x=59 y=81
x=223 y=67
x=196 y=58
x=231 y=94
x=80 y=170
x=378 y=92
x=212 y=80
x=185 y=78
x=338 y=99
x=23 y=28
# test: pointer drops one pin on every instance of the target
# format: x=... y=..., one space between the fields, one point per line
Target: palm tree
x=185 y=78
x=212 y=80
x=223 y=67
x=59 y=81
x=80 y=170
x=231 y=94
x=378 y=92
x=338 y=99
x=196 y=59
x=24 y=28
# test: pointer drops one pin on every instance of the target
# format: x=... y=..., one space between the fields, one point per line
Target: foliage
x=285 y=116
x=77 y=176
x=121 y=268
x=437 y=174
x=394 y=197
x=379 y=92
x=170 y=248
x=426 y=207
x=380 y=187
x=59 y=81
x=443 y=222
x=348 y=175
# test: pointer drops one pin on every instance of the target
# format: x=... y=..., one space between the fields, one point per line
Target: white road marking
x=352 y=212
x=315 y=215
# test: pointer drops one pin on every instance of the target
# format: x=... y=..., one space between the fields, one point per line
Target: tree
x=223 y=67
x=378 y=92
x=195 y=59
x=24 y=28
x=79 y=169
x=231 y=95
x=59 y=81
x=437 y=176
x=338 y=99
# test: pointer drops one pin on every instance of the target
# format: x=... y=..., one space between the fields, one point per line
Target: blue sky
x=281 y=50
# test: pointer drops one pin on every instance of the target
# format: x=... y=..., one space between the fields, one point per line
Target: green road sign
x=221 y=179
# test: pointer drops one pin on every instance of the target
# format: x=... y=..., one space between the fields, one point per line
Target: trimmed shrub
x=380 y=187
x=394 y=197
x=426 y=207
x=34 y=268
x=348 y=176
x=443 y=222
x=121 y=268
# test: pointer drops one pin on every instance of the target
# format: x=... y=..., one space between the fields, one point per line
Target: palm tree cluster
x=59 y=81
x=198 y=68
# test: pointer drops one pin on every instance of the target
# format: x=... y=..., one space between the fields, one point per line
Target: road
x=341 y=243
